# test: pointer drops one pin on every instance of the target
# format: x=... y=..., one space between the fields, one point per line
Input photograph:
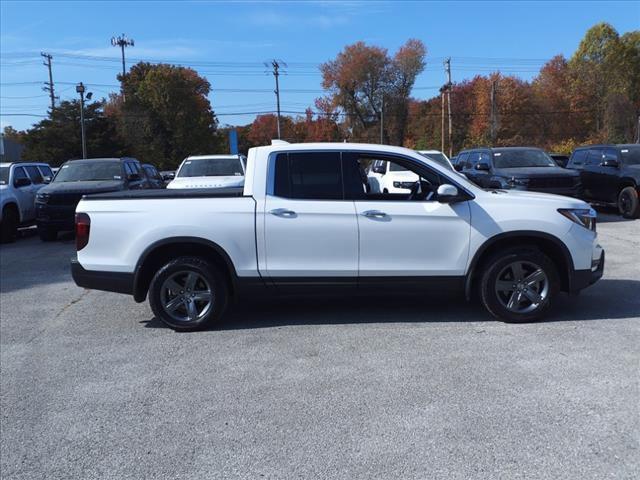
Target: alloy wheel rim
x=521 y=287
x=186 y=296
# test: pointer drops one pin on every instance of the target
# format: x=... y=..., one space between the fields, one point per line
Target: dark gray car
x=522 y=168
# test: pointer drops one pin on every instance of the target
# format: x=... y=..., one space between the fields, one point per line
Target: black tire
x=9 y=225
x=209 y=276
x=498 y=268
x=628 y=203
x=47 y=234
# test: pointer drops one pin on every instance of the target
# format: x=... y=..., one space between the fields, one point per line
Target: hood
x=207 y=182
x=99 y=186
x=536 y=172
x=528 y=197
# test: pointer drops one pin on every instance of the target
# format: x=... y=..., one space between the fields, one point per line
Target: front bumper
x=61 y=217
x=581 y=279
x=119 y=282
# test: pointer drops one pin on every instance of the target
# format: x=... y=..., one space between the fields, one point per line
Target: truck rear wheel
x=628 y=203
x=519 y=285
x=9 y=225
x=188 y=293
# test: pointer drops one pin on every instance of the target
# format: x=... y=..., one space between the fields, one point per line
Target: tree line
x=163 y=112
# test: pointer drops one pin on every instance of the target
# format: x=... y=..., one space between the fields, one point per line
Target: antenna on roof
x=279 y=142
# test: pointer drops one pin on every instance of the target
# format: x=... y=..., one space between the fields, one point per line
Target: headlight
x=42 y=197
x=518 y=182
x=585 y=217
x=408 y=185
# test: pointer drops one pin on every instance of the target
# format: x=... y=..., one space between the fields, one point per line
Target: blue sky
x=229 y=41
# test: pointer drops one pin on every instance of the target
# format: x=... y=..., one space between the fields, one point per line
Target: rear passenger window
x=462 y=159
x=313 y=175
x=35 y=175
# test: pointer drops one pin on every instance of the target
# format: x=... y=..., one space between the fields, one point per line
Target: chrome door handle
x=282 y=212
x=374 y=214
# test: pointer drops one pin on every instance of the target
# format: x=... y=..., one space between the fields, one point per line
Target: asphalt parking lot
x=92 y=386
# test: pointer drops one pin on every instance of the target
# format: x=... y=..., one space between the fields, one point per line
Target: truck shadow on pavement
x=608 y=300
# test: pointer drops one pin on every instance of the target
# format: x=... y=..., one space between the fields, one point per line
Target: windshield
x=211 y=167
x=439 y=158
x=89 y=171
x=522 y=158
x=4 y=175
x=630 y=155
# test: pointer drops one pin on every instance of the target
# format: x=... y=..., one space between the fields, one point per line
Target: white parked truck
x=306 y=221
x=210 y=171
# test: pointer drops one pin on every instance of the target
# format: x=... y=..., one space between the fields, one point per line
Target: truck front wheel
x=188 y=293
x=628 y=203
x=519 y=285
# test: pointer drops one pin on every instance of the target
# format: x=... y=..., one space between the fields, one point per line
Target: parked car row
x=32 y=194
x=608 y=174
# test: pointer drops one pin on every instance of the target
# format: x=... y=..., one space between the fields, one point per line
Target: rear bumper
x=119 y=282
x=583 y=278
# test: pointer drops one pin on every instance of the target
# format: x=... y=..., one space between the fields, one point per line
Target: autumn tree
x=362 y=80
x=164 y=114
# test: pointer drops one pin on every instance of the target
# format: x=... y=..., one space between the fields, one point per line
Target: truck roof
x=378 y=148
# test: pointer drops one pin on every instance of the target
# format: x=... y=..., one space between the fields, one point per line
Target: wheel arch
x=159 y=253
x=11 y=204
x=549 y=244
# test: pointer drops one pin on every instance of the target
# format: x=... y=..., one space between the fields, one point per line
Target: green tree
x=165 y=114
x=58 y=138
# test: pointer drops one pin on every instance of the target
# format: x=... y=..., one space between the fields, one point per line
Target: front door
x=409 y=234
x=310 y=230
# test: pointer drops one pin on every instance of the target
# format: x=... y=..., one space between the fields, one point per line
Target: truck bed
x=169 y=193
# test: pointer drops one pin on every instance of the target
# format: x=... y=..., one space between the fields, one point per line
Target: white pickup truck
x=306 y=222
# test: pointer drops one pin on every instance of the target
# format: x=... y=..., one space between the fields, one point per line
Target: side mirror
x=483 y=166
x=46 y=179
x=457 y=167
x=610 y=163
x=133 y=177
x=21 y=182
x=447 y=193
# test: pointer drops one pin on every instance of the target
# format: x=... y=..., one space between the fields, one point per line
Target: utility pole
x=122 y=41
x=49 y=85
x=442 y=123
x=382 y=120
x=447 y=64
x=493 y=119
x=275 y=64
x=80 y=88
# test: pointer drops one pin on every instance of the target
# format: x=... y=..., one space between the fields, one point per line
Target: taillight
x=83 y=225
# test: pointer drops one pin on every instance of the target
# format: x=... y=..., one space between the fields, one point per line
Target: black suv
x=56 y=203
x=522 y=168
x=610 y=174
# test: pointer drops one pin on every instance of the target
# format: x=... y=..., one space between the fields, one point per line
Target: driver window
x=403 y=181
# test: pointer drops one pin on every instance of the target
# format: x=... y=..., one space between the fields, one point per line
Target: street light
x=81 y=89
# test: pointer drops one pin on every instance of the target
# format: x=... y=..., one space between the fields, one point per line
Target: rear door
x=609 y=177
x=311 y=231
